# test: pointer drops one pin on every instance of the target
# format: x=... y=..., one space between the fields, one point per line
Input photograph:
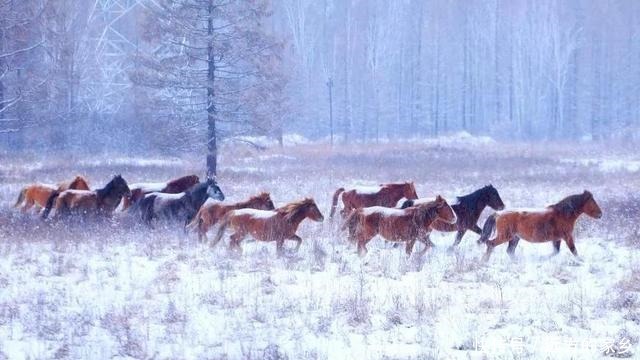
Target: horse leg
x=570 y=244
x=511 y=249
x=298 y=239
x=409 y=246
x=362 y=245
x=280 y=247
x=234 y=243
x=500 y=239
x=476 y=229
x=556 y=247
x=458 y=239
x=427 y=244
x=28 y=204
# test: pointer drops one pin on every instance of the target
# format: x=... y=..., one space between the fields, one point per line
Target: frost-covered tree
x=210 y=62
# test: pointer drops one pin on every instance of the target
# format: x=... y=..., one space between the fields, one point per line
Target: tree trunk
x=212 y=146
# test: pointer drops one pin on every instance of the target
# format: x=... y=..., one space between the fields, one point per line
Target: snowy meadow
x=118 y=289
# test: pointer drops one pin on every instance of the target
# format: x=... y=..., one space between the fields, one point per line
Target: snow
x=258 y=214
x=119 y=291
x=367 y=189
x=385 y=211
x=148 y=187
x=165 y=196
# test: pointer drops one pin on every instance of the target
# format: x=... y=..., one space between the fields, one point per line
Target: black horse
x=468 y=209
x=180 y=207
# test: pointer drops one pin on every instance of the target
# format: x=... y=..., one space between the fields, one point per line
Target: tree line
x=178 y=75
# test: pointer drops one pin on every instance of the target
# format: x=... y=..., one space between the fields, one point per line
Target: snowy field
x=117 y=290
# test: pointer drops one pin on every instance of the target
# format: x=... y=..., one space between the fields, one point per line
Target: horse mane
x=292 y=210
x=570 y=205
x=107 y=188
x=79 y=179
x=472 y=196
x=183 y=179
x=422 y=211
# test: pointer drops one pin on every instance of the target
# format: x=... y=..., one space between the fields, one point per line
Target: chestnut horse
x=468 y=209
x=554 y=223
x=386 y=195
x=263 y=225
x=39 y=194
x=211 y=212
x=398 y=225
x=84 y=202
x=175 y=186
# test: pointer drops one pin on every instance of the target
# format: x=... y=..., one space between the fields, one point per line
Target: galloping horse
x=386 y=195
x=84 y=202
x=183 y=206
x=211 y=212
x=468 y=209
x=38 y=194
x=554 y=223
x=175 y=186
x=398 y=225
x=277 y=225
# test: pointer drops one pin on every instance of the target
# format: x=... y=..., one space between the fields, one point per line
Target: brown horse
x=84 y=202
x=38 y=194
x=175 y=186
x=211 y=212
x=278 y=225
x=398 y=225
x=386 y=195
x=468 y=209
x=554 y=223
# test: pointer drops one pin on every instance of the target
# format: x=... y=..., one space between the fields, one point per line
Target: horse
x=182 y=206
x=84 y=202
x=398 y=225
x=553 y=223
x=211 y=212
x=175 y=186
x=386 y=195
x=268 y=225
x=39 y=194
x=468 y=209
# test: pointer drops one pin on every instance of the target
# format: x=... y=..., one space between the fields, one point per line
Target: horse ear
x=439 y=198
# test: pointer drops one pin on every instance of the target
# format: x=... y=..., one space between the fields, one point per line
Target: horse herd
x=393 y=211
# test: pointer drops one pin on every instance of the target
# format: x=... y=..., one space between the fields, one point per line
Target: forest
x=148 y=76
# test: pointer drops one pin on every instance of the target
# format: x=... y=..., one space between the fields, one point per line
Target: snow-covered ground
x=122 y=291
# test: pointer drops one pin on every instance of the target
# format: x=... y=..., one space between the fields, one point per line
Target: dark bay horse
x=211 y=212
x=386 y=195
x=263 y=225
x=39 y=194
x=175 y=186
x=398 y=225
x=554 y=223
x=178 y=207
x=85 y=202
x=468 y=209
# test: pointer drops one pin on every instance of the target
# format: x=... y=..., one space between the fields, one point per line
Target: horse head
x=590 y=206
x=493 y=198
x=409 y=191
x=213 y=190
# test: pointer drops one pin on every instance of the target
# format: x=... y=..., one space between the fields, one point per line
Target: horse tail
x=488 y=228
x=223 y=226
x=146 y=208
x=351 y=223
x=52 y=198
x=196 y=222
x=20 y=197
x=334 y=202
